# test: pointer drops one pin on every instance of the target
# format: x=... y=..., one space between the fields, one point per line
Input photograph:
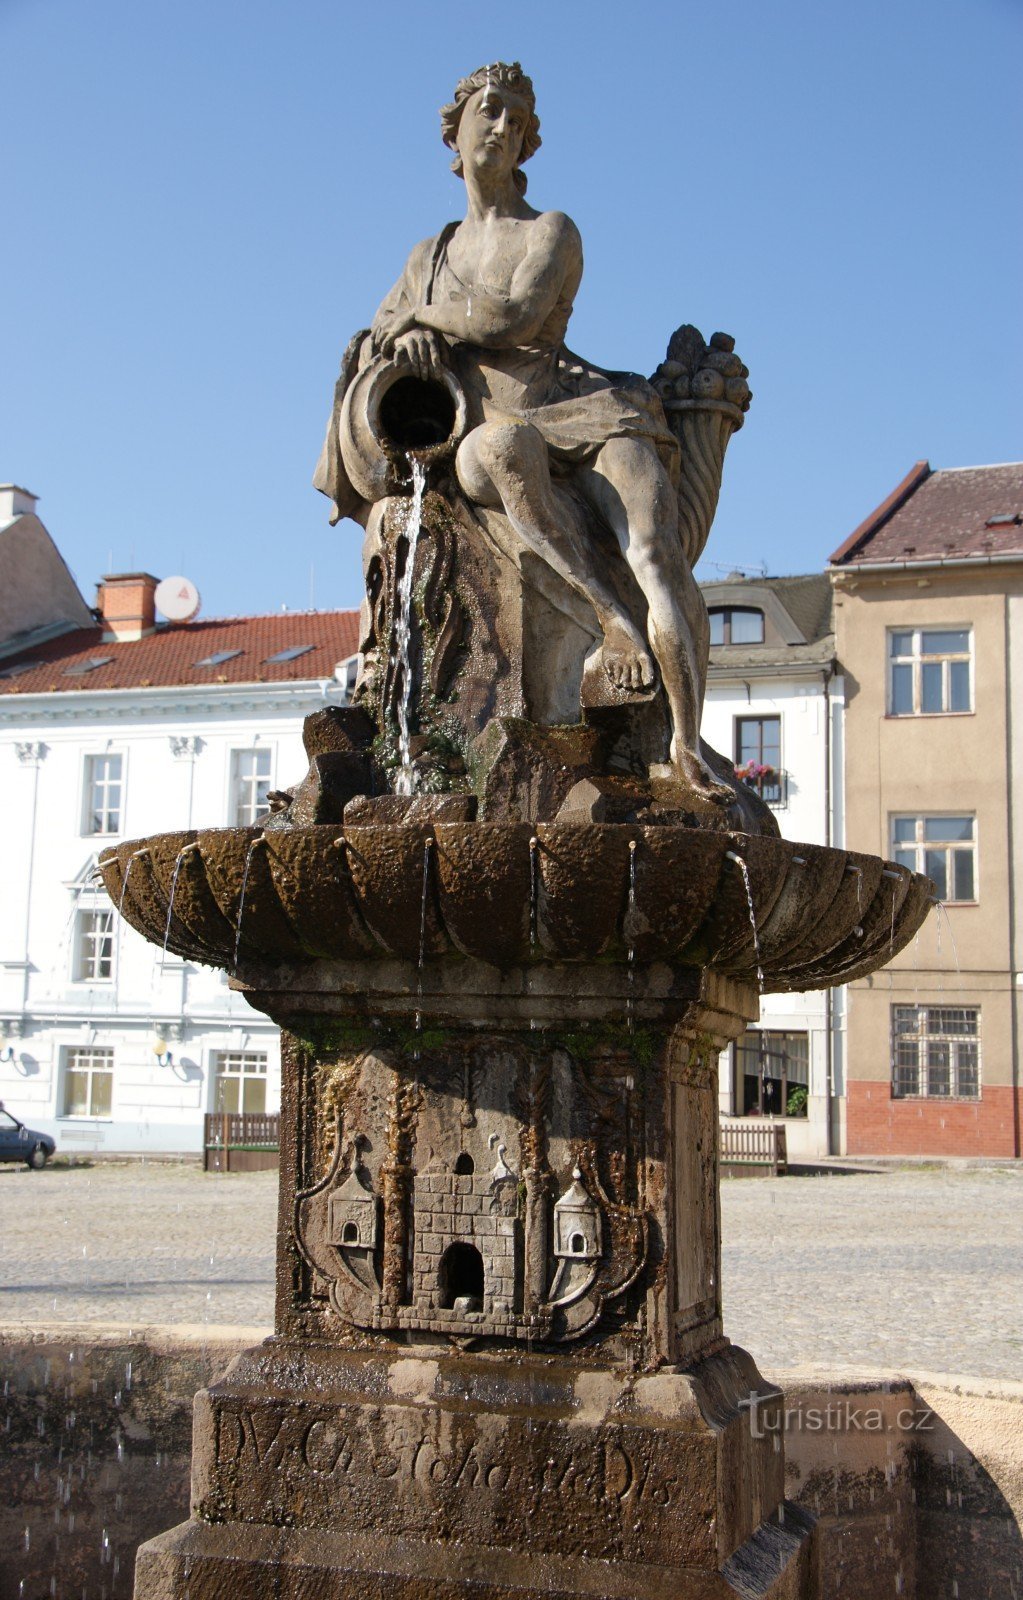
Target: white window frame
x=85 y=1058
x=258 y=1060
x=916 y=661
x=726 y=612
x=89 y=783
x=920 y=846
x=86 y=960
x=928 y=1067
x=241 y=804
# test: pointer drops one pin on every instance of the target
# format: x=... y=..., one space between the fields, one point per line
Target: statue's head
x=512 y=82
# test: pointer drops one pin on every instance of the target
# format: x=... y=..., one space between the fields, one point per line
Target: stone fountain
x=506 y=922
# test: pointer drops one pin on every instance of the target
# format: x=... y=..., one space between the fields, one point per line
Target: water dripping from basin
x=241 y=899
x=173 y=891
x=943 y=916
x=740 y=862
x=127 y=874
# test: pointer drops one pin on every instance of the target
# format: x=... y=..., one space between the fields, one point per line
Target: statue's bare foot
x=625 y=658
x=696 y=775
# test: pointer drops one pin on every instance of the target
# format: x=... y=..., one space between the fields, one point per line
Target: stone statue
x=581 y=463
x=499 y=1366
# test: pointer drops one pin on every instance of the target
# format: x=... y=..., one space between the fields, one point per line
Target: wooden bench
x=753 y=1146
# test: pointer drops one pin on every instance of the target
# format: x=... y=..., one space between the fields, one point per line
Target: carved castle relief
x=444 y=1210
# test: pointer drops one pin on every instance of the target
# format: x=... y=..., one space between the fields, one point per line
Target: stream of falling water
x=170 y=903
x=943 y=916
x=858 y=871
x=406 y=778
x=896 y=879
x=241 y=899
x=740 y=862
x=127 y=874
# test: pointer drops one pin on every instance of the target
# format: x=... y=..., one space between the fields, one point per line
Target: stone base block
x=317 y=1471
x=197 y=1561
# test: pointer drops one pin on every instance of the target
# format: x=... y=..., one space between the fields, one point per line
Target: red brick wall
x=877 y=1125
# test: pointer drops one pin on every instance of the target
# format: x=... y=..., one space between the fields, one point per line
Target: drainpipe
x=36 y=764
x=1014 y=985
x=829 y=1011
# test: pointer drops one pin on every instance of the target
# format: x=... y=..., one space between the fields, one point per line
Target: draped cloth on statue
x=574 y=405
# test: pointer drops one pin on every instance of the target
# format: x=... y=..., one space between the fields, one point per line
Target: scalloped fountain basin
x=235 y=896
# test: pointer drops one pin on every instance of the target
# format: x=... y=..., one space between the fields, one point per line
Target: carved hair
x=507 y=77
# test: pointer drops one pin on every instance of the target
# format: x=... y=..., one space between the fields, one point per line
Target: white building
x=775 y=702
x=113 y=727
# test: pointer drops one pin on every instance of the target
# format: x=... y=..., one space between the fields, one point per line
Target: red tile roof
x=169 y=656
x=951 y=514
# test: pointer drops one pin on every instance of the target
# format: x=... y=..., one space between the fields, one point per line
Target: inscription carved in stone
x=522 y=1482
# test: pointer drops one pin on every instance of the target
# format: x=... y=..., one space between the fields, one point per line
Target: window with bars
x=88 y=1082
x=929 y=671
x=239 y=1080
x=103 y=794
x=94 y=947
x=945 y=848
x=736 y=625
x=250 y=786
x=758 y=755
x=936 y=1052
x=772 y=1073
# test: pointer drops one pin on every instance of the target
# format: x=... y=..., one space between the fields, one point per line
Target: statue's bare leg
x=628 y=486
x=505 y=464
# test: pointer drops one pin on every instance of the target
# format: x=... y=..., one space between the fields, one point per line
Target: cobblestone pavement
x=919 y=1270
x=916 y=1270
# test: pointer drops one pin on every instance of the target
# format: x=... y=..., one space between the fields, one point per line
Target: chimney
x=15 y=502
x=127 y=606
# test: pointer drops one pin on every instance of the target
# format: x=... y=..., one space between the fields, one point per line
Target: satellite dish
x=177 y=599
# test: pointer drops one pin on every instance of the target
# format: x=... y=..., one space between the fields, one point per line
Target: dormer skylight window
x=18 y=668
x=1006 y=519
x=218 y=658
x=290 y=654
x=736 y=625
x=80 y=668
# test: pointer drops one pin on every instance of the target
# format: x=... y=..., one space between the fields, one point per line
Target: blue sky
x=203 y=199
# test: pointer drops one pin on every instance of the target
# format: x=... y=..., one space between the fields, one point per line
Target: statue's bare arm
x=395 y=332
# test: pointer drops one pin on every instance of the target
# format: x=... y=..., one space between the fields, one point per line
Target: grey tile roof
x=806 y=601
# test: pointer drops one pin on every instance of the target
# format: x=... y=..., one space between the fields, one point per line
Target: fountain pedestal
x=498 y=1363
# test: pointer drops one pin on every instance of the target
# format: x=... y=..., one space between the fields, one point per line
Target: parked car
x=18 y=1143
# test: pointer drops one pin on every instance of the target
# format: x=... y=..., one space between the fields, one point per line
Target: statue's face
x=491 y=130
